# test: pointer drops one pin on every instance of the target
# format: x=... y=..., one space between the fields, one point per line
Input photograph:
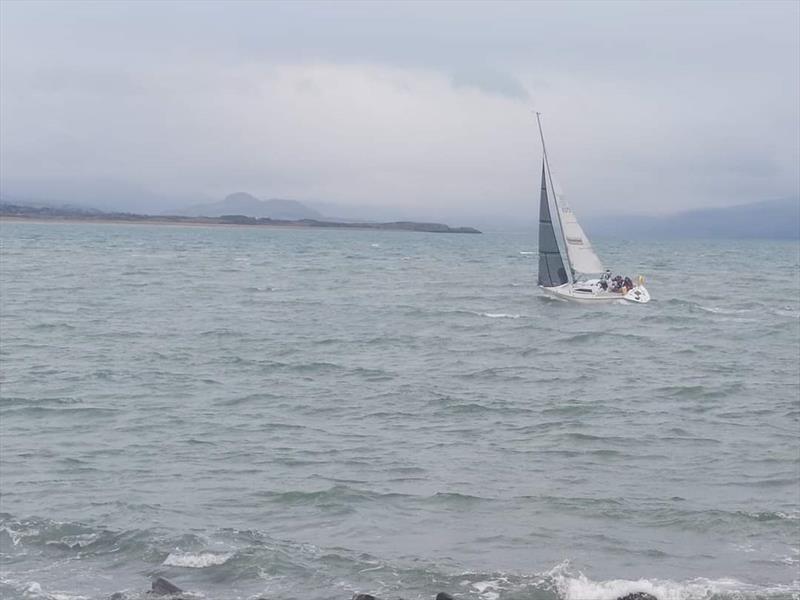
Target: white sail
x=582 y=257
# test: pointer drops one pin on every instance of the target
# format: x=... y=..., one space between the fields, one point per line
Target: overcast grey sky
x=647 y=107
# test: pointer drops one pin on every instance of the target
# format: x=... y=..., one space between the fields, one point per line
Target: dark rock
x=117 y=596
x=162 y=587
x=443 y=596
x=363 y=597
x=638 y=596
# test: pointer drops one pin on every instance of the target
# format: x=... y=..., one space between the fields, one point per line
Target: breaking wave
x=196 y=561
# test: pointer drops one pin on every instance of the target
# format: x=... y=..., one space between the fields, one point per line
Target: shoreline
x=155 y=222
x=226 y=221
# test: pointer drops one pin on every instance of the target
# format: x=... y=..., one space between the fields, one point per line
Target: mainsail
x=552 y=267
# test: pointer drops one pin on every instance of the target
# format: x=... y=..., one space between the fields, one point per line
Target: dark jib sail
x=551 y=265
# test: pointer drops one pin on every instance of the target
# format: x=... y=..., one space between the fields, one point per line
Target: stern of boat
x=638 y=294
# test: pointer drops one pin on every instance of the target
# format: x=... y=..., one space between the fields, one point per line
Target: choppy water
x=305 y=414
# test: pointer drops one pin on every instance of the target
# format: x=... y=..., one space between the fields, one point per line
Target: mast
x=560 y=239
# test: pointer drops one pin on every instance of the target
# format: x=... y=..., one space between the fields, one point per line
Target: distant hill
x=248 y=205
x=772 y=219
x=90 y=194
x=11 y=211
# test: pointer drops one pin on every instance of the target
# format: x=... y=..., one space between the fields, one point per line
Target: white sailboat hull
x=590 y=292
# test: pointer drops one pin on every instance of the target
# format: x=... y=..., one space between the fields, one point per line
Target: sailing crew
x=604 y=279
x=628 y=284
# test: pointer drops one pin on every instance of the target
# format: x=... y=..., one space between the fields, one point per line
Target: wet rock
x=444 y=596
x=638 y=596
x=363 y=597
x=162 y=587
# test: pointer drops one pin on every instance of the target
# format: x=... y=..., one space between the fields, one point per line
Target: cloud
x=490 y=81
x=421 y=107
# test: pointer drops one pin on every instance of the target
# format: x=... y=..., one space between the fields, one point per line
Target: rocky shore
x=167 y=590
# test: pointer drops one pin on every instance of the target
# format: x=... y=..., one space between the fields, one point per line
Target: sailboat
x=569 y=268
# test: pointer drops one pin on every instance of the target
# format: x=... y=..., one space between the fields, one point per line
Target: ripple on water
x=280 y=420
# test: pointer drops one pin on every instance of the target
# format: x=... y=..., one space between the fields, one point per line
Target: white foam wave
x=792 y=559
x=792 y=516
x=787 y=516
x=580 y=587
x=195 y=561
x=76 y=541
x=33 y=590
x=499 y=315
x=17 y=535
x=490 y=589
x=724 y=311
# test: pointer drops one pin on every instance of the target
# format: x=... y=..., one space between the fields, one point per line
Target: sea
x=294 y=413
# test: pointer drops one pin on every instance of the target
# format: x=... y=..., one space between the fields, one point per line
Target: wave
x=699 y=391
x=602 y=336
x=303 y=570
x=52 y=326
x=504 y=373
x=258 y=398
x=737 y=310
x=775 y=516
x=490 y=315
x=563 y=583
x=786 y=311
x=17 y=401
x=33 y=590
x=338 y=494
x=198 y=560
x=724 y=311
x=581 y=587
x=47 y=535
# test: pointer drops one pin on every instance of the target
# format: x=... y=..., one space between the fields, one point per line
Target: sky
x=423 y=109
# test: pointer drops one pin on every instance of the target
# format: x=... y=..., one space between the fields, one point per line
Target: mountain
x=248 y=205
x=98 y=194
x=772 y=219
